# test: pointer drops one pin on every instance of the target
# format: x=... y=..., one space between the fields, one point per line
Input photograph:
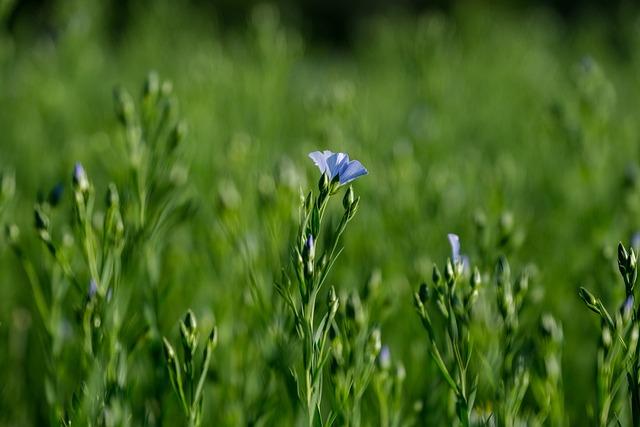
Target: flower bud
x=323 y=183
x=476 y=278
x=55 y=195
x=435 y=275
x=384 y=358
x=589 y=299
x=348 y=198
x=178 y=135
x=92 y=290
x=374 y=345
x=41 y=220
x=79 y=177
x=308 y=255
x=190 y=321
x=449 y=272
x=423 y=293
x=113 y=199
x=12 y=233
x=169 y=352
x=151 y=85
x=125 y=109
x=332 y=302
x=353 y=208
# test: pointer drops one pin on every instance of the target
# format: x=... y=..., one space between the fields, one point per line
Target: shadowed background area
x=519 y=118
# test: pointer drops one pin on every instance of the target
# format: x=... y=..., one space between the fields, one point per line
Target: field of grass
x=513 y=131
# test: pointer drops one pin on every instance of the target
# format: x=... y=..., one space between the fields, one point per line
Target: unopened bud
x=435 y=275
x=41 y=219
x=332 y=301
x=151 y=85
x=178 y=135
x=375 y=343
x=169 y=352
x=589 y=299
x=348 y=198
x=79 y=177
x=113 y=199
x=323 y=183
x=423 y=293
x=449 y=272
x=476 y=278
x=353 y=208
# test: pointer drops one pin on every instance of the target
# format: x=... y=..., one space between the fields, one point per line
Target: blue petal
x=335 y=163
x=454 y=241
x=320 y=159
x=351 y=171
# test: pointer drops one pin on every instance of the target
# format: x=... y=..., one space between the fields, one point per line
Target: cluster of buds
x=187 y=386
x=628 y=266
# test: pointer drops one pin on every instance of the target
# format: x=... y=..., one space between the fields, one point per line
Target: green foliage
x=490 y=124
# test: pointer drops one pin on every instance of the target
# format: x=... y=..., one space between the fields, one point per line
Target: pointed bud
x=589 y=300
x=169 y=352
x=151 y=85
x=190 y=321
x=113 y=199
x=353 y=208
x=323 y=183
x=178 y=134
x=423 y=293
x=79 y=178
x=332 y=301
x=623 y=258
x=435 y=275
x=374 y=344
x=41 y=219
x=449 y=272
x=476 y=278
x=348 y=198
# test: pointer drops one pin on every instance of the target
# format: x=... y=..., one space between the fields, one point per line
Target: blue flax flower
x=456 y=256
x=454 y=241
x=338 y=165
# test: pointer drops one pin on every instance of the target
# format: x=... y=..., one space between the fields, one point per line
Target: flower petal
x=353 y=170
x=454 y=241
x=335 y=163
x=320 y=159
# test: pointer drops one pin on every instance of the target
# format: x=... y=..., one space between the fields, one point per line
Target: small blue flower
x=338 y=164
x=80 y=180
x=454 y=241
x=384 y=358
x=93 y=289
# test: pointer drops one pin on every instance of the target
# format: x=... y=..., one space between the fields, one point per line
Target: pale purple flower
x=456 y=256
x=93 y=289
x=79 y=176
x=454 y=241
x=384 y=358
x=338 y=164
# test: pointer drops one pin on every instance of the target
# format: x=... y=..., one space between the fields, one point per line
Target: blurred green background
x=459 y=111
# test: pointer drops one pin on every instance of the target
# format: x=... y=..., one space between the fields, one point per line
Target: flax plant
x=617 y=356
x=309 y=272
x=187 y=378
x=452 y=297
